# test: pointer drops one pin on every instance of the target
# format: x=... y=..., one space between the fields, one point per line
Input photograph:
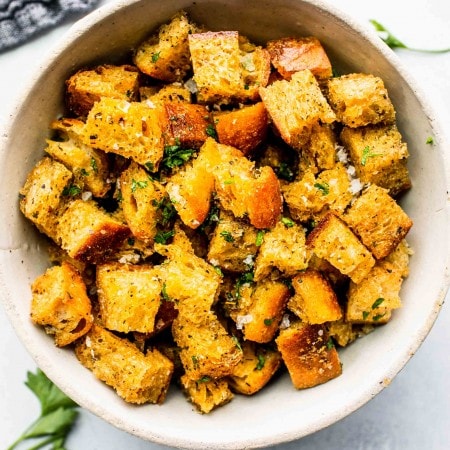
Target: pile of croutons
x=218 y=211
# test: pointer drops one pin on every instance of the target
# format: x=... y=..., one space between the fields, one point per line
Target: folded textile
x=22 y=19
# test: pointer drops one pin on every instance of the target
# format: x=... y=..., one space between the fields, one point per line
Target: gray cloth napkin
x=22 y=19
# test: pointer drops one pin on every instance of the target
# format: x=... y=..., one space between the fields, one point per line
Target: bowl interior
x=278 y=413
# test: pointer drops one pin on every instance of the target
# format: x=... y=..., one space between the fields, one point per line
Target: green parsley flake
x=204 y=379
x=94 y=165
x=138 y=185
x=211 y=132
x=155 y=57
x=175 y=156
x=365 y=315
x=429 y=140
x=288 y=223
x=268 y=322
x=236 y=342
x=227 y=236
x=377 y=302
x=323 y=187
x=261 y=362
x=165 y=295
x=259 y=238
x=71 y=191
x=330 y=344
x=366 y=154
x=163 y=236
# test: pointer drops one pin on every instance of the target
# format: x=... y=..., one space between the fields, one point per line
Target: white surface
x=414 y=411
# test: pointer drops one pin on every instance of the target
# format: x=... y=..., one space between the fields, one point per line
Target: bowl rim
x=54 y=373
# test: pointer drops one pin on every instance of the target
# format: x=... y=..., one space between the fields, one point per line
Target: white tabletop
x=413 y=412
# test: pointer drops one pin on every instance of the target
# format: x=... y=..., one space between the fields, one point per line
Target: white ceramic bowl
x=278 y=413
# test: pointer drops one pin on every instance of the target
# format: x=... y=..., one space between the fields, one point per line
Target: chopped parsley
x=378 y=317
x=365 y=315
x=135 y=185
x=218 y=270
x=204 y=379
x=150 y=166
x=323 y=187
x=284 y=172
x=288 y=223
x=94 y=165
x=210 y=131
x=261 y=362
x=168 y=211
x=155 y=57
x=259 y=238
x=236 y=342
x=377 y=302
x=175 y=156
x=163 y=236
x=330 y=344
x=165 y=295
x=84 y=172
x=245 y=278
x=429 y=140
x=227 y=236
x=366 y=154
x=268 y=322
x=71 y=191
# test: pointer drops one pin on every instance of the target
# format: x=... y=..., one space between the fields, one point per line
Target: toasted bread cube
x=187 y=124
x=314 y=301
x=233 y=244
x=309 y=358
x=333 y=240
x=86 y=87
x=284 y=248
x=129 y=296
x=360 y=99
x=130 y=129
x=295 y=106
x=344 y=333
x=261 y=318
x=373 y=299
x=42 y=195
x=191 y=188
x=207 y=350
x=378 y=220
x=289 y=55
x=246 y=190
x=205 y=393
x=379 y=156
x=60 y=303
x=137 y=378
x=255 y=370
x=400 y=258
x=244 y=128
x=321 y=147
x=165 y=54
x=141 y=200
x=89 y=234
x=157 y=95
x=311 y=196
x=89 y=166
x=189 y=281
x=227 y=67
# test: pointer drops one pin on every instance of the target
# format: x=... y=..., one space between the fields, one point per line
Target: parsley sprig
x=58 y=414
x=393 y=42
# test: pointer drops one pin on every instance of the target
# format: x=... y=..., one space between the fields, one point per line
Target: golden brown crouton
x=129 y=296
x=308 y=356
x=86 y=87
x=378 y=220
x=157 y=95
x=130 y=129
x=42 y=195
x=89 y=166
x=88 y=233
x=379 y=156
x=373 y=299
x=314 y=300
x=187 y=124
x=289 y=55
x=141 y=200
x=333 y=240
x=136 y=377
x=360 y=99
x=260 y=310
x=400 y=258
x=295 y=106
x=206 y=349
x=243 y=128
x=233 y=244
x=284 y=248
x=321 y=148
x=227 y=67
x=311 y=196
x=255 y=370
x=206 y=393
x=165 y=54
x=60 y=303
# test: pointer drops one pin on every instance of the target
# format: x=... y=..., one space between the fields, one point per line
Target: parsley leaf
x=261 y=362
x=392 y=42
x=155 y=57
x=175 y=156
x=138 y=185
x=259 y=238
x=227 y=236
x=429 y=140
x=163 y=236
x=323 y=187
x=377 y=302
x=288 y=223
x=366 y=154
x=71 y=191
x=58 y=414
x=211 y=132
